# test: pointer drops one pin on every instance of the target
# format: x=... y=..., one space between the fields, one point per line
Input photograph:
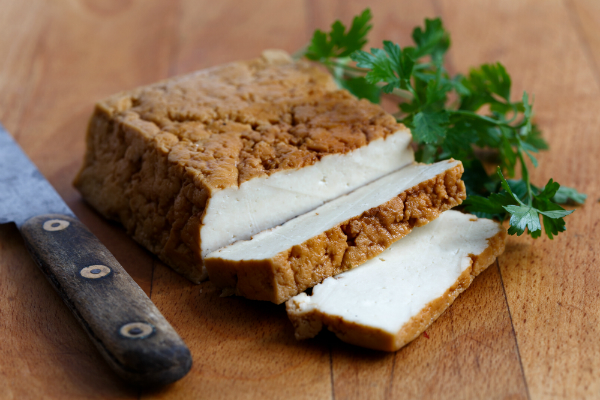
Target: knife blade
x=122 y=322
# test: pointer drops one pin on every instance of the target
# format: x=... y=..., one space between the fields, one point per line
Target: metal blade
x=24 y=192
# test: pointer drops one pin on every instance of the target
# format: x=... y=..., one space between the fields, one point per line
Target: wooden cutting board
x=527 y=328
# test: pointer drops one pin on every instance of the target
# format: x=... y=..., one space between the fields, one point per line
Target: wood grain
x=60 y=58
x=20 y=62
x=525 y=328
x=551 y=286
x=214 y=32
x=241 y=349
x=585 y=17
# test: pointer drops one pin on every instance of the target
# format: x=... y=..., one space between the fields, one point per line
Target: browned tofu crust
x=373 y=338
x=156 y=154
x=342 y=247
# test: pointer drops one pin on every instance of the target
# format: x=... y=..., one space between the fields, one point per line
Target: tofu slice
x=393 y=298
x=199 y=161
x=344 y=233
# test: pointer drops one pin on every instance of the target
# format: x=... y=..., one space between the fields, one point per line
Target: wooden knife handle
x=127 y=328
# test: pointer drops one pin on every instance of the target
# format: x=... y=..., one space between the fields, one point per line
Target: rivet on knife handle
x=123 y=323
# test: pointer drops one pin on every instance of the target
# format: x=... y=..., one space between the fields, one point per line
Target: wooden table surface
x=527 y=328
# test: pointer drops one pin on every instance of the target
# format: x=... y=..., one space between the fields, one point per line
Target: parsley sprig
x=463 y=117
x=524 y=207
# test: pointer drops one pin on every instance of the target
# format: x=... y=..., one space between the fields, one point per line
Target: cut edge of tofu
x=309 y=323
x=235 y=214
x=331 y=252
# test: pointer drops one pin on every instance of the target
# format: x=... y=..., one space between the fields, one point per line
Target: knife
x=131 y=334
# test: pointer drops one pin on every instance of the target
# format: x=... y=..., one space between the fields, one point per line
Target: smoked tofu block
x=393 y=298
x=344 y=233
x=197 y=162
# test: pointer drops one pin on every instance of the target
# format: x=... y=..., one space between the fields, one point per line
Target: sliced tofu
x=238 y=212
x=393 y=298
x=196 y=162
x=344 y=233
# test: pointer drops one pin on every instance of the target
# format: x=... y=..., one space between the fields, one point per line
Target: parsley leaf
x=433 y=41
x=564 y=194
x=523 y=217
x=338 y=43
x=428 y=127
x=391 y=65
x=567 y=195
x=489 y=84
x=362 y=89
x=524 y=210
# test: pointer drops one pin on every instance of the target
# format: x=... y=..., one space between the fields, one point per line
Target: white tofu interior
x=388 y=290
x=269 y=243
x=236 y=214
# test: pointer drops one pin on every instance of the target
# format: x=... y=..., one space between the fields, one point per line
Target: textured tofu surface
x=199 y=161
x=393 y=298
x=342 y=234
